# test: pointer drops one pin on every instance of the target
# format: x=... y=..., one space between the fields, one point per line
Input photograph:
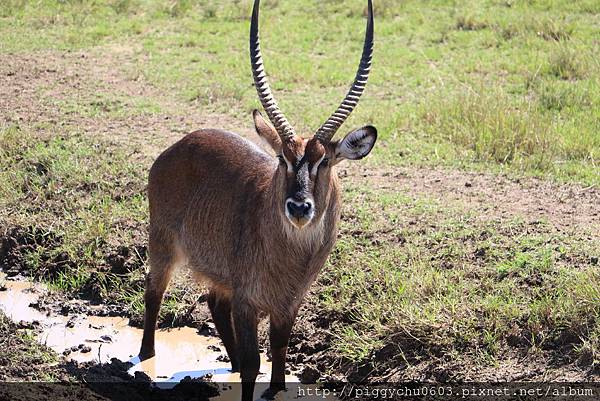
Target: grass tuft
x=469 y=22
x=568 y=63
x=492 y=127
x=527 y=25
x=552 y=29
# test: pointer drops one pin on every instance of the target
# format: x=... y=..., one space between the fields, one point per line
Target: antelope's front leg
x=279 y=336
x=245 y=322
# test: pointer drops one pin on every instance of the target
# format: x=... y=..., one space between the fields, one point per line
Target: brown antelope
x=256 y=229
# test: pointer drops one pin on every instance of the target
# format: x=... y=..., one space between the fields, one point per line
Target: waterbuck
x=256 y=229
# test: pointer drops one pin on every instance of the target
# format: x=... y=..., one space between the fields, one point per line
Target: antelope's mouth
x=299 y=222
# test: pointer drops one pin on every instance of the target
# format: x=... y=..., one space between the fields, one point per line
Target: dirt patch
x=123 y=386
x=124 y=265
x=17 y=243
x=407 y=359
x=53 y=89
x=569 y=208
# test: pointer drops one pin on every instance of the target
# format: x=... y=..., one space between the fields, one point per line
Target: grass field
x=453 y=258
x=512 y=84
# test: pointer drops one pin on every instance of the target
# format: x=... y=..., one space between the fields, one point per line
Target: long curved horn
x=333 y=123
x=279 y=121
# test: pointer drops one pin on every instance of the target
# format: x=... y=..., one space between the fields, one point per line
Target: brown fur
x=217 y=205
x=213 y=210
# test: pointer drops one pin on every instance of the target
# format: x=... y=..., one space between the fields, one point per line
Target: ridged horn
x=279 y=121
x=333 y=123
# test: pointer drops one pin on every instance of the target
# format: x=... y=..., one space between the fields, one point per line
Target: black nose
x=298 y=209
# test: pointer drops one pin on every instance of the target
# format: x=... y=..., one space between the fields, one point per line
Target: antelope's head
x=306 y=163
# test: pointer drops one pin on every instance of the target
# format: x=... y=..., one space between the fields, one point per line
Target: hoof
x=271 y=392
x=146 y=354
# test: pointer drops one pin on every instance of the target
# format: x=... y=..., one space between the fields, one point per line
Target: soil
x=569 y=208
x=35 y=86
x=32 y=86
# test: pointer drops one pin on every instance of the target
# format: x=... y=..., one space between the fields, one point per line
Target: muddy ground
x=30 y=371
x=33 y=91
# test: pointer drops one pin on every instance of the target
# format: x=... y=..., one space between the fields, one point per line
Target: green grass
x=407 y=272
x=80 y=208
x=78 y=202
x=507 y=86
x=104 y=105
x=88 y=183
x=524 y=75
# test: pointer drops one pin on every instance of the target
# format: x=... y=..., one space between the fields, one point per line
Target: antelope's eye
x=281 y=159
x=324 y=162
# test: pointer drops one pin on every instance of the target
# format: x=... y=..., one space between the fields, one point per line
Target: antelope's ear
x=266 y=131
x=357 y=144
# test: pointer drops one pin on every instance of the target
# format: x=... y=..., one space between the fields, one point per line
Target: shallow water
x=180 y=352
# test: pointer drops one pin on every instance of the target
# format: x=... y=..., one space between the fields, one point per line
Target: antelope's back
x=206 y=179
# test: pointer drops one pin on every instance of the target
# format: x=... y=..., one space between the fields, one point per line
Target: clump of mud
x=112 y=381
x=17 y=243
x=122 y=266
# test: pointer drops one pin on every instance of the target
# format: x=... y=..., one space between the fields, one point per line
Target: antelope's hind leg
x=220 y=310
x=162 y=260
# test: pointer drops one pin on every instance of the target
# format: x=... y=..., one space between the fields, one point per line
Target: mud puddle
x=180 y=352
